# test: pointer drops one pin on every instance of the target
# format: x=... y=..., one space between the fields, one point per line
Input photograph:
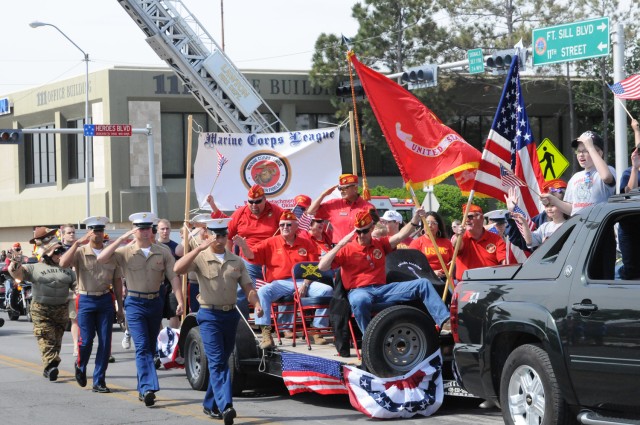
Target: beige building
x=43 y=179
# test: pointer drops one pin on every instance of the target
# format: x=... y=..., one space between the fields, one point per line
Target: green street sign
x=476 y=61
x=571 y=42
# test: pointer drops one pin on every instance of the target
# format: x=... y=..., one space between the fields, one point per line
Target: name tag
x=344 y=213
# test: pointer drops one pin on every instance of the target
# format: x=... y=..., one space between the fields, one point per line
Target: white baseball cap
x=391 y=215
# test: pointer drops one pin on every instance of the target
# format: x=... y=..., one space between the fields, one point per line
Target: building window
x=40 y=157
x=175 y=126
x=75 y=143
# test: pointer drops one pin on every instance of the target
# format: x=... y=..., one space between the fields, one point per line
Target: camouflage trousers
x=49 y=323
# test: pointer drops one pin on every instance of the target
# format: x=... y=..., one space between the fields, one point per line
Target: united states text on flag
x=419 y=392
x=510 y=145
x=221 y=161
x=306 y=373
x=426 y=150
x=629 y=88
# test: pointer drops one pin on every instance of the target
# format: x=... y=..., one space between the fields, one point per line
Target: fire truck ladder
x=183 y=43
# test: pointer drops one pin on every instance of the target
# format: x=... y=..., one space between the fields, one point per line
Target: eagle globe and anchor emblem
x=267 y=169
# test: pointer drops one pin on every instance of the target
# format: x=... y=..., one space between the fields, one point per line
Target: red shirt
x=424 y=245
x=342 y=215
x=255 y=229
x=363 y=265
x=489 y=250
x=279 y=257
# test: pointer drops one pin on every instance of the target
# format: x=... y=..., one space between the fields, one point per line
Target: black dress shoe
x=149 y=398
x=215 y=413
x=101 y=388
x=229 y=415
x=52 y=374
x=112 y=359
x=81 y=377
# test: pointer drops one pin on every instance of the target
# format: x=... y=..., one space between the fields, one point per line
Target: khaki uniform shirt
x=93 y=276
x=218 y=281
x=145 y=274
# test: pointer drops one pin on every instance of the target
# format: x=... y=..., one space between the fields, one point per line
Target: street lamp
x=87 y=145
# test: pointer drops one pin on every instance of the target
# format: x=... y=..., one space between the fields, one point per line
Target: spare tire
x=195 y=361
x=398 y=339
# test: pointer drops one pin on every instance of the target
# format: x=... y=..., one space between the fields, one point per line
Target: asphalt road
x=26 y=397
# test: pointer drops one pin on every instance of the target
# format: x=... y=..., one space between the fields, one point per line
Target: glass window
x=174 y=141
x=75 y=146
x=40 y=157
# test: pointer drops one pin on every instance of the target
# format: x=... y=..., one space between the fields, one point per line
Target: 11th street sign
x=571 y=42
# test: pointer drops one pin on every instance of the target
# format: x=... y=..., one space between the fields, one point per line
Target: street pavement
x=26 y=397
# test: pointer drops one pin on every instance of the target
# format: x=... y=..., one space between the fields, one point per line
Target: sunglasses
x=257 y=201
x=343 y=188
x=58 y=251
x=554 y=190
x=17 y=249
x=472 y=216
x=363 y=231
x=98 y=230
x=286 y=224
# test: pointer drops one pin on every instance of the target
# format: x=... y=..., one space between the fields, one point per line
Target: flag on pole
x=510 y=145
x=426 y=150
x=629 y=88
x=509 y=179
x=305 y=373
x=221 y=161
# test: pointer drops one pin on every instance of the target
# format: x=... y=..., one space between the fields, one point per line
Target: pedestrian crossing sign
x=552 y=162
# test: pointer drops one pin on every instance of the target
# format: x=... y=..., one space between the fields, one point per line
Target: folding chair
x=309 y=270
x=289 y=308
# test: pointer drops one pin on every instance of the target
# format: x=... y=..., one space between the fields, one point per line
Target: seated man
x=362 y=262
x=279 y=254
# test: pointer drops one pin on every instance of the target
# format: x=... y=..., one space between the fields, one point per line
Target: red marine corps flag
x=426 y=150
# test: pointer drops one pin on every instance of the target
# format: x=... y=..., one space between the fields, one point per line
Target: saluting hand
x=327 y=192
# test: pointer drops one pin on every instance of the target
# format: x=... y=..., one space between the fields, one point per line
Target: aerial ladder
x=182 y=42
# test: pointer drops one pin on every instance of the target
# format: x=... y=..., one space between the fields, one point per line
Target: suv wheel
x=529 y=391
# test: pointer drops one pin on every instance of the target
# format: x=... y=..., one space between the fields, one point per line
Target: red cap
x=472 y=209
x=256 y=192
x=346 y=179
x=17 y=245
x=303 y=201
x=288 y=216
x=363 y=219
x=555 y=184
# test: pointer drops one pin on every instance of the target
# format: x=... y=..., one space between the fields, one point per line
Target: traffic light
x=500 y=61
x=343 y=91
x=10 y=136
x=421 y=76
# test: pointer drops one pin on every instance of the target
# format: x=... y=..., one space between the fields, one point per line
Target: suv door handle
x=584 y=307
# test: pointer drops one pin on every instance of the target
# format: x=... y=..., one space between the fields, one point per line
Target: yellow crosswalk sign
x=552 y=162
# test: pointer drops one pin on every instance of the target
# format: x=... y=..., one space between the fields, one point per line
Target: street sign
x=114 y=130
x=552 y=162
x=571 y=42
x=430 y=202
x=476 y=61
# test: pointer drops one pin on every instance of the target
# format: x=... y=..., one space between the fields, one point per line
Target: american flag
x=509 y=179
x=221 y=161
x=510 y=145
x=305 y=373
x=304 y=220
x=629 y=88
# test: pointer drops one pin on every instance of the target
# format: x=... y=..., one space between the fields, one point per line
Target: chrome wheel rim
x=526 y=397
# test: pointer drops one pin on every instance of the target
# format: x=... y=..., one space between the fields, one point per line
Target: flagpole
x=187 y=202
x=428 y=232
x=457 y=247
x=352 y=136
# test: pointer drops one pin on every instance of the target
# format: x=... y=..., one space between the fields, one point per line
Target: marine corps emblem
x=267 y=169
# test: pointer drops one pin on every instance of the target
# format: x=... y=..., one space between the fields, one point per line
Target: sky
x=259 y=35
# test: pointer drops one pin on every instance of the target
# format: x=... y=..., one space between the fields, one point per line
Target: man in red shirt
x=341 y=212
x=255 y=222
x=362 y=263
x=279 y=254
x=479 y=247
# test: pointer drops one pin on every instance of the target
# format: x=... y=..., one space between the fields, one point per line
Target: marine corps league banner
x=284 y=164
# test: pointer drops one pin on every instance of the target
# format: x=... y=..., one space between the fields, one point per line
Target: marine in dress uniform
x=94 y=300
x=219 y=272
x=144 y=265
